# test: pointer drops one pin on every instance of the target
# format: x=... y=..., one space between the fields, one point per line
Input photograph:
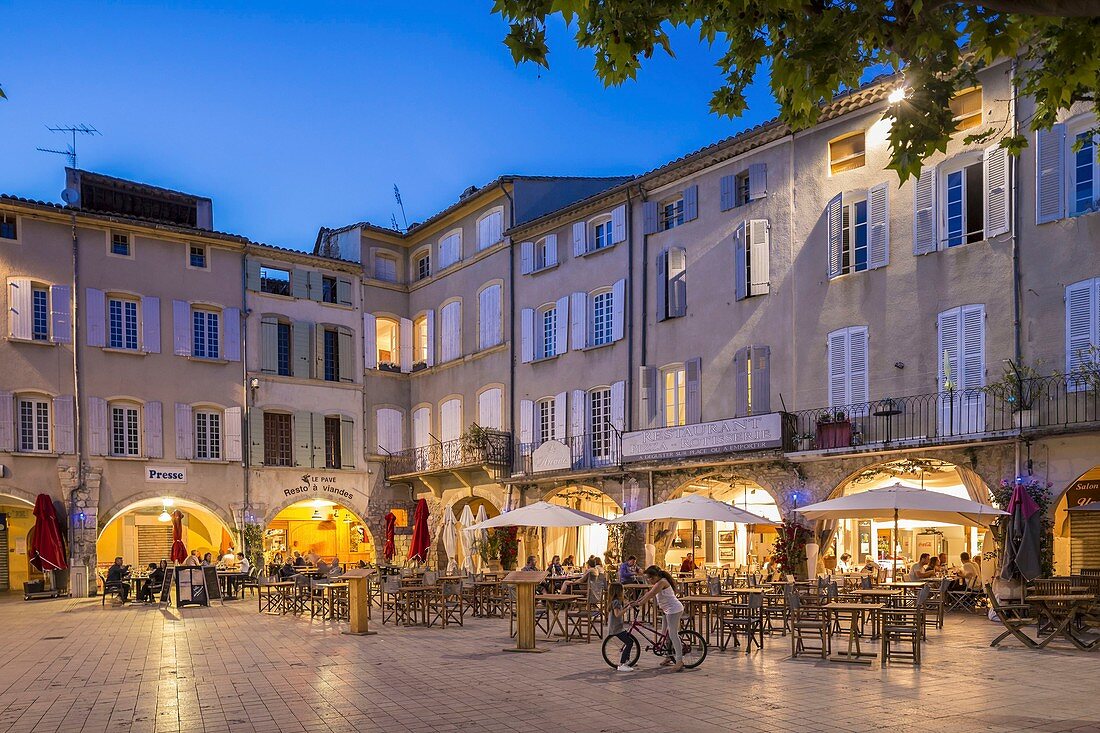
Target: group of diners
x=311 y=562
x=121 y=578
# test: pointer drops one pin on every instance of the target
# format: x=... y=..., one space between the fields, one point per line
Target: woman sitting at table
x=569 y=561
x=869 y=565
x=555 y=568
x=688 y=565
x=844 y=564
x=591 y=573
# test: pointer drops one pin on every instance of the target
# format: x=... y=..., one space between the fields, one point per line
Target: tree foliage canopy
x=815 y=49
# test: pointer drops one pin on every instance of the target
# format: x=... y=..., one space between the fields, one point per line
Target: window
x=424 y=265
x=8 y=227
x=208 y=435
x=450 y=317
x=751 y=381
x=1084 y=189
x=847 y=153
x=332 y=442
x=964 y=218
x=671 y=213
x=34 y=425
x=545 y=425
x=741 y=189
x=847 y=367
x=385 y=268
x=332 y=355
x=124 y=431
x=543 y=256
x=548 y=320
x=329 y=289
x=1082 y=329
x=966 y=108
x=599 y=422
x=120 y=244
x=205 y=337
x=1068 y=179
x=277 y=445
x=601 y=234
x=282 y=349
x=122 y=324
x=490 y=229
x=420 y=340
x=196 y=257
x=274 y=281
x=853 y=253
x=674 y=385
x=450 y=249
x=602 y=307
x=388 y=335
x=40 y=314
x=671 y=283
x=489 y=317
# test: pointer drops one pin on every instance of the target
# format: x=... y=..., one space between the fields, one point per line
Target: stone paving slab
x=70 y=665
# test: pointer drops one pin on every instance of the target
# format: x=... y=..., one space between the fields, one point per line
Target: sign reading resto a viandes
x=721 y=436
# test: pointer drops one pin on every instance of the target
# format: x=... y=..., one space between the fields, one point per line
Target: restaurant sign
x=734 y=435
x=313 y=484
x=1082 y=492
x=553 y=455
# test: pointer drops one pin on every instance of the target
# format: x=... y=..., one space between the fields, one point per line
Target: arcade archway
x=318 y=529
x=726 y=544
x=141 y=532
x=583 y=542
x=1077 y=533
x=15 y=528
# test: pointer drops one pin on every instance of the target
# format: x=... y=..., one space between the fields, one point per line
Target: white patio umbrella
x=450 y=540
x=904 y=502
x=541 y=514
x=466 y=555
x=480 y=536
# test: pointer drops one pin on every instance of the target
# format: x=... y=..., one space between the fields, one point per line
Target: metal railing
x=585 y=452
x=1033 y=403
x=491 y=449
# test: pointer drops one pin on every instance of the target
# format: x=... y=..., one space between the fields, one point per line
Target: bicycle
x=693 y=643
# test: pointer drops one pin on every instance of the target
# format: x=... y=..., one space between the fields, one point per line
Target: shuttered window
x=961 y=201
x=490 y=229
x=490 y=328
x=847 y=367
x=548 y=332
x=671 y=213
x=602 y=306
x=390 y=429
x=205 y=334
x=208 y=435
x=599 y=423
x=125 y=431
x=1082 y=329
x=34 y=424
x=278 y=449
x=489 y=408
x=423 y=265
x=450 y=420
x=450 y=317
x=385 y=267
x=601 y=234
x=122 y=323
x=1084 y=175
x=40 y=314
x=450 y=249
x=546 y=418
x=282 y=346
x=333 y=450
x=674 y=389
x=961 y=347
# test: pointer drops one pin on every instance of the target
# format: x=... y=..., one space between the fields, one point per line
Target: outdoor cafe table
x=857 y=610
x=327 y=599
x=230 y=581
x=555 y=604
x=1063 y=610
x=702 y=607
x=273 y=596
x=417 y=604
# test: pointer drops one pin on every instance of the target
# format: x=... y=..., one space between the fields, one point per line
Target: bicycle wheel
x=695 y=648
x=613 y=651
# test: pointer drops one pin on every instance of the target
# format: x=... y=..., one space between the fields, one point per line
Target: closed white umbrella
x=449 y=538
x=466 y=555
x=481 y=536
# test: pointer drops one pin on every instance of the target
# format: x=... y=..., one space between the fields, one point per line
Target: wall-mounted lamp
x=254 y=383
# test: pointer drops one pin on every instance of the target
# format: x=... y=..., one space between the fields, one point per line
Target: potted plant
x=418 y=365
x=1020 y=388
x=507 y=543
x=805 y=441
x=475 y=444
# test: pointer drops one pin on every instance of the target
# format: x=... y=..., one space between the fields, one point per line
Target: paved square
x=70 y=665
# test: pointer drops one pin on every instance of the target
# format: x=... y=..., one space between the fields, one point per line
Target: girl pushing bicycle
x=662 y=587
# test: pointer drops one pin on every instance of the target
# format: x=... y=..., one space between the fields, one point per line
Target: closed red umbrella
x=47 y=550
x=418 y=548
x=179 y=550
x=388 y=548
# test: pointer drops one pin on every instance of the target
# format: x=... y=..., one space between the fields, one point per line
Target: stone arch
x=121 y=507
x=274 y=509
x=20 y=495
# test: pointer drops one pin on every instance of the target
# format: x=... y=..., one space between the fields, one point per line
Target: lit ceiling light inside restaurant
x=164 y=515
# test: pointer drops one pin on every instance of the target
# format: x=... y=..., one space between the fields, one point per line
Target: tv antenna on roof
x=397 y=195
x=73 y=131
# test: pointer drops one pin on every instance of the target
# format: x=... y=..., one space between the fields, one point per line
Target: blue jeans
x=628 y=641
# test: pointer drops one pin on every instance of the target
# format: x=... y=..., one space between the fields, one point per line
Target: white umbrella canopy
x=466 y=556
x=539 y=514
x=694 y=507
x=450 y=539
x=904 y=502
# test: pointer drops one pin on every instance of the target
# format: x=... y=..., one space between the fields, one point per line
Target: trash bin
x=33 y=586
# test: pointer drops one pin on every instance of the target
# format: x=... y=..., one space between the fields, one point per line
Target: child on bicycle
x=616 y=613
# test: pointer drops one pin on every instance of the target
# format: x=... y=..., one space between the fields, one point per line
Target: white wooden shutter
x=925 y=223
x=647 y=395
x=759 y=256
x=231 y=334
x=578 y=414
x=98 y=435
x=406 y=345
x=834 y=215
x=299 y=283
x=526 y=257
x=761 y=380
x=618 y=224
x=649 y=217
x=1050 y=179
x=489 y=408
x=430 y=328
x=421 y=427
x=301 y=344
x=252 y=274
x=451 y=344
x=677 y=282
x=64 y=438
x=972 y=346
x=450 y=418
x=857 y=365
x=1082 y=325
x=561 y=338
x=618 y=308
x=302 y=438
x=95 y=321
x=758 y=181
x=726 y=187
x=154 y=430
x=233 y=446
x=693 y=391
x=489 y=321
x=837 y=368
x=618 y=406
x=255 y=437
x=551 y=250
x=995 y=165
x=560 y=415
x=691 y=203
x=527 y=335
x=7 y=421
x=347 y=442
x=741 y=381
x=388 y=430
x=578 y=320
x=269 y=344
x=948 y=348
x=526 y=422
x=61 y=314
x=318 y=352
x=878 y=225
x=181 y=327
x=370 y=341
x=740 y=263
x=150 y=324
x=185 y=441
x=316 y=284
x=580 y=240
x=662 y=285
x=343 y=288
x=345 y=341
x=21 y=308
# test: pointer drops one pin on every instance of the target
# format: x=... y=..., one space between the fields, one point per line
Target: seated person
x=942 y=564
x=591 y=573
x=245 y=566
x=288 y=570
x=869 y=565
x=334 y=568
x=844 y=564
x=208 y=560
x=569 y=561
x=193 y=560
x=555 y=567
x=230 y=557
x=152 y=584
x=531 y=565
x=322 y=569
x=687 y=567
x=969 y=575
x=299 y=561
x=118 y=576
x=628 y=571
x=930 y=570
x=917 y=568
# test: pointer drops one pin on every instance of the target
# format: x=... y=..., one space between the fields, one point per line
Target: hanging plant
x=1040 y=492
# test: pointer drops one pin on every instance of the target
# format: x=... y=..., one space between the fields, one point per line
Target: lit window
x=847 y=153
x=601 y=234
x=208 y=435
x=675 y=390
x=672 y=213
x=966 y=108
x=274 y=281
x=205 y=332
x=853 y=256
x=8 y=228
x=122 y=324
x=387 y=333
x=599 y=423
x=125 y=439
x=545 y=421
x=965 y=200
x=602 y=306
x=548 y=341
x=420 y=340
x=34 y=425
x=40 y=311
x=120 y=244
x=197 y=257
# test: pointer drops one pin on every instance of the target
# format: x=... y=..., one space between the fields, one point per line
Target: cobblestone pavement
x=70 y=665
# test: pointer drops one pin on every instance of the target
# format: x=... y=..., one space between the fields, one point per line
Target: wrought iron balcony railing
x=489 y=449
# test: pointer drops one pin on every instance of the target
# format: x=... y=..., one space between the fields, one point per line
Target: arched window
x=388 y=333
x=490 y=228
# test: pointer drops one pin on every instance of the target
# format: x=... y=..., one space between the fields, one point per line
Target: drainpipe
x=645 y=285
x=628 y=308
x=1016 y=308
x=78 y=392
x=511 y=316
x=246 y=420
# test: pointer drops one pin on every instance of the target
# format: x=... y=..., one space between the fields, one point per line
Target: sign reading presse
x=734 y=435
x=166 y=474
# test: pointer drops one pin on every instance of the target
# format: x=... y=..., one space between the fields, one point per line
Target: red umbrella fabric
x=179 y=550
x=388 y=548
x=418 y=548
x=47 y=550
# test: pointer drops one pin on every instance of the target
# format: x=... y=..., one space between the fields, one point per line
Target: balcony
x=484 y=457
x=582 y=453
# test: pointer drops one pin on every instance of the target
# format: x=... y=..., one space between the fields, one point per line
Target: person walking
x=616 y=613
x=662 y=587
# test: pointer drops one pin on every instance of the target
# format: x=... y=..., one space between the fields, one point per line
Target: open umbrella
x=1023 y=533
x=466 y=557
x=421 y=540
x=388 y=547
x=46 y=551
x=179 y=550
x=450 y=540
x=541 y=514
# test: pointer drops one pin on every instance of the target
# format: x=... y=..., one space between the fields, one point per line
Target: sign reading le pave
x=553 y=455
x=315 y=484
x=721 y=436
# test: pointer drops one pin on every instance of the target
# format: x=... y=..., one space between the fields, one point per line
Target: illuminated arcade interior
x=727 y=543
x=142 y=532
x=580 y=542
x=318 y=526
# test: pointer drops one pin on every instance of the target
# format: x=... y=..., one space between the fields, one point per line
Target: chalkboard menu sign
x=210 y=582
x=191 y=586
x=166 y=587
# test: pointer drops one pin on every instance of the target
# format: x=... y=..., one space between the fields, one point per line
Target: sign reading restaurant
x=721 y=436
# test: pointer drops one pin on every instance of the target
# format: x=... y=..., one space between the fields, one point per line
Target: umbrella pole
x=542 y=548
x=693 y=540
x=894 y=545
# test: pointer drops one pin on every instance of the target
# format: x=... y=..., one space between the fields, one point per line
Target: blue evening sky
x=296 y=115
